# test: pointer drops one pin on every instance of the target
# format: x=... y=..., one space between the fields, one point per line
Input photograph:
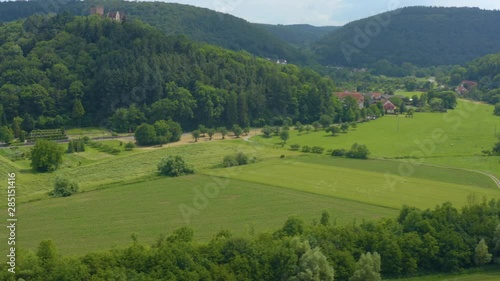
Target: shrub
x=161 y=140
x=306 y=148
x=496 y=149
x=237 y=159
x=241 y=158
x=6 y=135
x=317 y=149
x=358 y=151
x=129 y=146
x=339 y=152
x=267 y=131
x=76 y=146
x=46 y=156
x=174 y=166
x=22 y=136
x=295 y=147
x=145 y=134
x=229 y=161
x=64 y=188
x=237 y=130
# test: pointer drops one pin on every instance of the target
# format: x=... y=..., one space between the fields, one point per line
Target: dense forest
x=423 y=36
x=197 y=24
x=298 y=35
x=64 y=70
x=417 y=242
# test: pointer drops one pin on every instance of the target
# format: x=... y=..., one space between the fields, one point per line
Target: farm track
x=492 y=177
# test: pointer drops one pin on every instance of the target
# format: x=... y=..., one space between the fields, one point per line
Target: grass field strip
x=427 y=147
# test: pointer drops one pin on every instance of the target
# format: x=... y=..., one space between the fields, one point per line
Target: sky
x=321 y=12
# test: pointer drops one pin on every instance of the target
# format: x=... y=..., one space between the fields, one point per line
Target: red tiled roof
x=469 y=83
x=358 y=96
x=389 y=106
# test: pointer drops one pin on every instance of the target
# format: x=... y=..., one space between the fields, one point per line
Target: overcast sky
x=321 y=12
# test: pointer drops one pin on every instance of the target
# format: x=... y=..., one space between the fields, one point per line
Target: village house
x=389 y=107
x=464 y=87
x=358 y=96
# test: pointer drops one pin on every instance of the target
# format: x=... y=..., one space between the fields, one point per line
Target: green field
x=93 y=169
x=122 y=194
x=259 y=196
x=102 y=219
x=372 y=182
x=461 y=133
x=491 y=273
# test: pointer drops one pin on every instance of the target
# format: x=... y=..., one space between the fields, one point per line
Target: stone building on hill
x=118 y=16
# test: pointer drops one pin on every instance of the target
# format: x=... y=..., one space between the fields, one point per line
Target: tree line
x=415 y=243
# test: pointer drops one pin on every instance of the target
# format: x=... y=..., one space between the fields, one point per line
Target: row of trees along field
x=91 y=70
x=417 y=242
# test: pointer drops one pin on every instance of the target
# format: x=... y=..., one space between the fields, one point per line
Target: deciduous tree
x=46 y=156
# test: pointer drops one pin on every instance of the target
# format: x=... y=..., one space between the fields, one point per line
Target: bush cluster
x=308 y=149
x=103 y=147
x=64 y=188
x=129 y=146
x=76 y=146
x=237 y=159
x=174 y=166
x=162 y=132
x=357 y=151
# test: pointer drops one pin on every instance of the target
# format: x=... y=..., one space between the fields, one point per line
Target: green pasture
x=490 y=273
x=256 y=197
x=93 y=169
x=463 y=132
x=100 y=220
x=359 y=181
x=408 y=94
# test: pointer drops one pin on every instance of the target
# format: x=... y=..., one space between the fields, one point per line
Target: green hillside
x=198 y=24
x=424 y=36
x=299 y=35
x=128 y=73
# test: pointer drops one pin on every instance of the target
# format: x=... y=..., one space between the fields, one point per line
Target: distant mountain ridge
x=424 y=36
x=298 y=35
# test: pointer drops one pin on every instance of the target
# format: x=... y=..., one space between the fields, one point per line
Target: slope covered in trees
x=299 y=35
x=198 y=24
x=129 y=73
x=424 y=36
x=486 y=71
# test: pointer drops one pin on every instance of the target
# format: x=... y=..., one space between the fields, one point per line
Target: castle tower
x=98 y=10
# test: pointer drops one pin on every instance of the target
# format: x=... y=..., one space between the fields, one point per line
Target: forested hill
x=132 y=73
x=486 y=71
x=298 y=35
x=424 y=36
x=198 y=24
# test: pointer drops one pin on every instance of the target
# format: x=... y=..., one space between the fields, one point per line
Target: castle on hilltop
x=116 y=16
